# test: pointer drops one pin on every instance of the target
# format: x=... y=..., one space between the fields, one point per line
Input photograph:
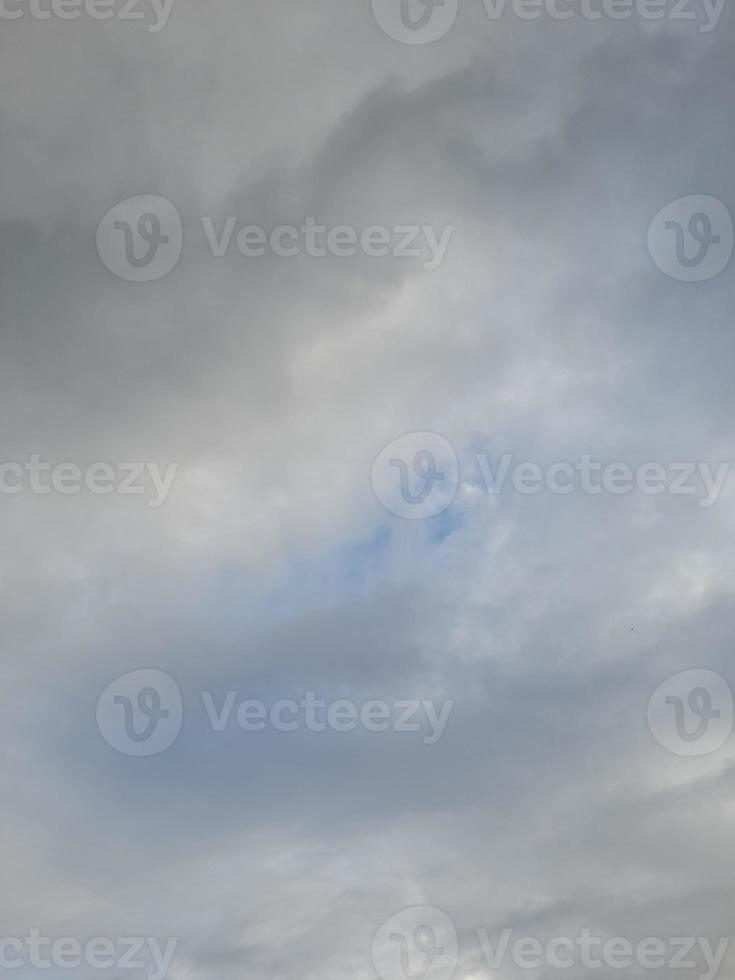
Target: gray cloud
x=272 y=569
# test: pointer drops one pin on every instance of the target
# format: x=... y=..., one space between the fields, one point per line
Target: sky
x=365 y=488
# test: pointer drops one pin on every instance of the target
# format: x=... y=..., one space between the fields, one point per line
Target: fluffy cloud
x=273 y=570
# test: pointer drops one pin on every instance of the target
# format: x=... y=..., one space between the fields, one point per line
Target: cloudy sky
x=314 y=421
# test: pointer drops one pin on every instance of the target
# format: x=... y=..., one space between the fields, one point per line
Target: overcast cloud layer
x=272 y=567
